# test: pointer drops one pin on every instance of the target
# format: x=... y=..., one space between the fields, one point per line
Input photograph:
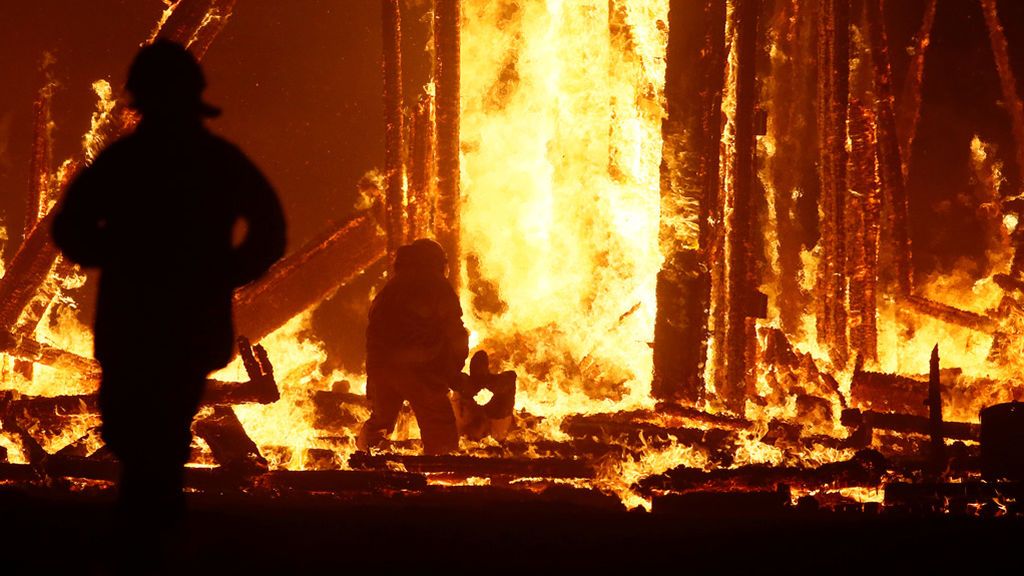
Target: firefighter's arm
x=263 y=223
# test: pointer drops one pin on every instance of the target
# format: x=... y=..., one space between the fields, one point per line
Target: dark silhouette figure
x=159 y=212
x=416 y=346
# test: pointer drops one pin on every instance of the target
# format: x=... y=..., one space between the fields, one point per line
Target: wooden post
x=864 y=209
x=889 y=163
x=938 y=445
x=394 y=168
x=833 y=91
x=447 y=16
x=732 y=391
x=691 y=132
x=910 y=103
x=422 y=189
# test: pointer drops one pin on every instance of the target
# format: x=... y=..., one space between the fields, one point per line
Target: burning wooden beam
x=909 y=424
x=863 y=225
x=732 y=390
x=310 y=274
x=690 y=134
x=866 y=468
x=422 y=169
x=41 y=160
x=394 y=167
x=472 y=466
x=231 y=446
x=833 y=96
x=1007 y=80
x=890 y=166
x=447 y=17
x=910 y=102
x=937 y=454
x=953 y=315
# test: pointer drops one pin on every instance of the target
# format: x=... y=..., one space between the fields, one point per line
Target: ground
x=465 y=531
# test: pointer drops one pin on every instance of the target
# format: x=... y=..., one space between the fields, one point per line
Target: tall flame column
x=447 y=16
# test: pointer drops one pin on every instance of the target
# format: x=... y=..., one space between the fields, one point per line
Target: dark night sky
x=300 y=84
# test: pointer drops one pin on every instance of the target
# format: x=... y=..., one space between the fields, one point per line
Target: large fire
x=565 y=226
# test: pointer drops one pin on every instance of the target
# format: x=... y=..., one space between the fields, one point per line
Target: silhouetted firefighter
x=159 y=212
x=416 y=346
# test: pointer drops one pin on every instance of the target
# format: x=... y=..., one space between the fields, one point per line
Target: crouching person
x=416 y=346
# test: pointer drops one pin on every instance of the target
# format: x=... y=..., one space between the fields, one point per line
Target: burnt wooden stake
x=938 y=445
x=447 y=24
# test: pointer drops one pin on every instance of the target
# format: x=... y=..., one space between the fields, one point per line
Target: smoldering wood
x=29 y=350
x=623 y=429
x=716 y=505
x=343 y=480
x=693 y=66
x=909 y=424
x=888 y=393
x=791 y=168
x=953 y=315
x=890 y=166
x=41 y=158
x=790 y=372
x=196 y=23
x=21 y=473
x=229 y=443
x=910 y=102
x=724 y=421
x=937 y=454
x=472 y=466
x=865 y=469
x=1007 y=80
x=447 y=16
x=422 y=170
x=863 y=225
x=394 y=166
x=732 y=390
x=310 y=274
x=833 y=96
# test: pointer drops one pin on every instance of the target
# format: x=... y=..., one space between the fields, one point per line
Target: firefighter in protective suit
x=416 y=347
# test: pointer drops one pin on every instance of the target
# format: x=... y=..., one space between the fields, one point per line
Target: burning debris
x=621 y=187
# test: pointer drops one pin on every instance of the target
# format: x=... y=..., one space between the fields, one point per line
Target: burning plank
x=472 y=466
x=310 y=274
x=231 y=446
x=911 y=424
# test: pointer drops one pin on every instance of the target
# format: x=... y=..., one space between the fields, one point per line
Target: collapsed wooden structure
x=707 y=289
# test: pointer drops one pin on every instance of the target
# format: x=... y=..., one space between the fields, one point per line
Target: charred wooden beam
x=888 y=393
x=791 y=170
x=725 y=421
x=937 y=453
x=691 y=131
x=910 y=424
x=394 y=167
x=472 y=466
x=308 y=275
x=833 y=97
x=863 y=225
x=953 y=315
x=447 y=25
x=910 y=102
x=231 y=446
x=732 y=390
x=196 y=23
x=41 y=160
x=344 y=480
x=27 y=271
x=1007 y=80
x=422 y=169
x=865 y=468
x=890 y=166
x=31 y=351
